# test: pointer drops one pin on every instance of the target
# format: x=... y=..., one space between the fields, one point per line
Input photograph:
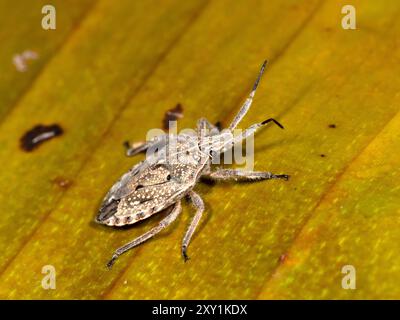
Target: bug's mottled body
x=153 y=185
x=168 y=175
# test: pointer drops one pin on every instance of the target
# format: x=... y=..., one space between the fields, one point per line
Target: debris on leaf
x=38 y=134
x=20 y=59
x=172 y=115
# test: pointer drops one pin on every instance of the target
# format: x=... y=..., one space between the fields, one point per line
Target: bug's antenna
x=246 y=105
x=259 y=77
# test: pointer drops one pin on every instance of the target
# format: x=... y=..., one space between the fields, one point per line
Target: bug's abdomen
x=152 y=191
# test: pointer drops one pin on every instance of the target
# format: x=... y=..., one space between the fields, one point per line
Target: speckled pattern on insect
x=164 y=178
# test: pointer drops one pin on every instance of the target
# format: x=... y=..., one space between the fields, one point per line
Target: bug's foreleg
x=243 y=175
x=199 y=205
x=135 y=148
x=149 y=234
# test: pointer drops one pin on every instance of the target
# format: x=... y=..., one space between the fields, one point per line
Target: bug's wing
x=123 y=186
x=139 y=194
x=119 y=190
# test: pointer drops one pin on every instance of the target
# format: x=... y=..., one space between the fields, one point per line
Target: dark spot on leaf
x=62 y=182
x=322 y=155
x=38 y=134
x=126 y=144
x=168 y=177
x=172 y=115
x=332 y=126
x=283 y=258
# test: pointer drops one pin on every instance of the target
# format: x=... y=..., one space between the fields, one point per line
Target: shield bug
x=164 y=178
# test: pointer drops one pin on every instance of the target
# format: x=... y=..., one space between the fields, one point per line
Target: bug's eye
x=139 y=186
x=168 y=177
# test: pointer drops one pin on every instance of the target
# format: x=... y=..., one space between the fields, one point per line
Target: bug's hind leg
x=135 y=148
x=242 y=175
x=149 y=234
x=199 y=205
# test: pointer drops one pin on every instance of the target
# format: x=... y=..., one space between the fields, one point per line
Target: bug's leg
x=246 y=105
x=203 y=123
x=149 y=234
x=243 y=175
x=135 y=148
x=199 y=205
